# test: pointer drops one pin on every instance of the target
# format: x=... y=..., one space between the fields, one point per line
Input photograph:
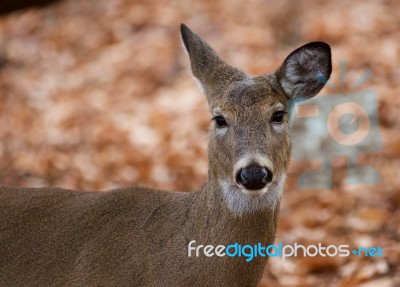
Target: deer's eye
x=277 y=117
x=220 y=121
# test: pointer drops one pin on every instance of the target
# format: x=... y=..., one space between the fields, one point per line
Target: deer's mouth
x=254 y=193
x=275 y=185
x=239 y=199
x=230 y=187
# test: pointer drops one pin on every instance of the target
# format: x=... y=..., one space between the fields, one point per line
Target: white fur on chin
x=241 y=201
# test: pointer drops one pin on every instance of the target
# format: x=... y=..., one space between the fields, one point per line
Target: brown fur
x=139 y=237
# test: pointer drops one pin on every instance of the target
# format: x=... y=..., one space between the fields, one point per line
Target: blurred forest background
x=98 y=94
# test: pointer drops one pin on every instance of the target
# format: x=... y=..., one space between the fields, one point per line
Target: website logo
x=249 y=252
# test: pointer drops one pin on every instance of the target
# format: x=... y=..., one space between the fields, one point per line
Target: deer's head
x=249 y=148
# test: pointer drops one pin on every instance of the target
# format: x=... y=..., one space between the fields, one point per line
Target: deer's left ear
x=212 y=72
x=306 y=70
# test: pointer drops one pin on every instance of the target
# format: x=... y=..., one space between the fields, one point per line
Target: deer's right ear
x=207 y=66
x=306 y=70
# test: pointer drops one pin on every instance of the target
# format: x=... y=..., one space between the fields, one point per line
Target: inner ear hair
x=306 y=70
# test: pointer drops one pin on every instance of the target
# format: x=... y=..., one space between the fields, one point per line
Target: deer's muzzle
x=253 y=177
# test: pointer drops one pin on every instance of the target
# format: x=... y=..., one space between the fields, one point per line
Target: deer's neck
x=213 y=219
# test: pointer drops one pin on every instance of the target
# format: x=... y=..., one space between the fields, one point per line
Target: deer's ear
x=306 y=70
x=207 y=66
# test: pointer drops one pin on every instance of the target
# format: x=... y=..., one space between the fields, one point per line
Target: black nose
x=254 y=177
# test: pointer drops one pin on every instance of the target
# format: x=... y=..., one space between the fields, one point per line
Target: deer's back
x=57 y=237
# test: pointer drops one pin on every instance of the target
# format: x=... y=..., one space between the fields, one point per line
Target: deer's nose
x=254 y=177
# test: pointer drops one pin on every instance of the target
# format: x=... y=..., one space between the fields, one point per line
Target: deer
x=137 y=236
